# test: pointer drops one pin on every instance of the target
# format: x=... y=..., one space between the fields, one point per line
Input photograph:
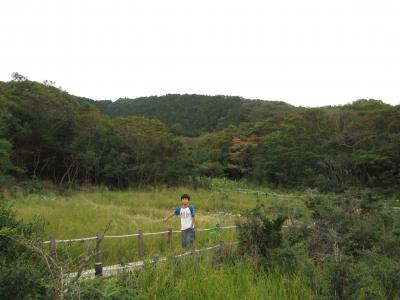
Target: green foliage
x=350 y=238
x=199 y=278
x=344 y=247
x=258 y=234
x=6 y=165
x=143 y=151
x=23 y=274
x=348 y=249
x=331 y=148
x=104 y=289
x=211 y=169
x=286 y=157
x=50 y=135
x=192 y=115
x=187 y=115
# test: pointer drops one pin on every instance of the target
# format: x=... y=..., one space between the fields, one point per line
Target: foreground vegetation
x=335 y=246
x=209 y=276
x=78 y=214
x=26 y=273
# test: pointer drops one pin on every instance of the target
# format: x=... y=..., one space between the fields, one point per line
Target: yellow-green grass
x=82 y=214
x=204 y=277
x=202 y=280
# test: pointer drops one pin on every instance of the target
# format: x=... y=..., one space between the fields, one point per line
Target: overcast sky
x=309 y=52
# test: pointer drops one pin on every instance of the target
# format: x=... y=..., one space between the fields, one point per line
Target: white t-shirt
x=186 y=214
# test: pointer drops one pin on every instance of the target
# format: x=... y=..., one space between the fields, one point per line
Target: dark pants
x=188 y=237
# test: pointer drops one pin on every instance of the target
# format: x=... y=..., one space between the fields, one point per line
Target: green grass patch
x=202 y=277
x=82 y=214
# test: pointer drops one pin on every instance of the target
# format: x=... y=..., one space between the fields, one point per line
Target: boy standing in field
x=187 y=215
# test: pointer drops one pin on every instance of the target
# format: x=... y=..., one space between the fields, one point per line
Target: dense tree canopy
x=192 y=115
x=329 y=147
x=47 y=133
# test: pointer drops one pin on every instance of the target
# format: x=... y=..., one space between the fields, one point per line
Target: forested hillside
x=192 y=115
x=49 y=134
x=330 y=148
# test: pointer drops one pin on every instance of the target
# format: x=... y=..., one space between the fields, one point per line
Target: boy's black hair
x=185 y=196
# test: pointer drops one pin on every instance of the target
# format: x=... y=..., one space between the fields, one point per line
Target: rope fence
x=98 y=265
x=92 y=238
x=121 y=268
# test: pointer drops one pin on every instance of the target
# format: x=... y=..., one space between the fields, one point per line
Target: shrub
x=23 y=275
x=258 y=234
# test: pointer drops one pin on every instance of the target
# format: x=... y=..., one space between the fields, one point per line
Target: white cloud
x=309 y=52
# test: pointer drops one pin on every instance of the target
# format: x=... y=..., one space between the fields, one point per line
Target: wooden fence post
x=170 y=238
x=258 y=203
x=140 y=244
x=53 y=246
x=221 y=246
x=98 y=265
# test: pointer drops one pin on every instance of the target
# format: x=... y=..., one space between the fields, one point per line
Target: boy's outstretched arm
x=169 y=217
